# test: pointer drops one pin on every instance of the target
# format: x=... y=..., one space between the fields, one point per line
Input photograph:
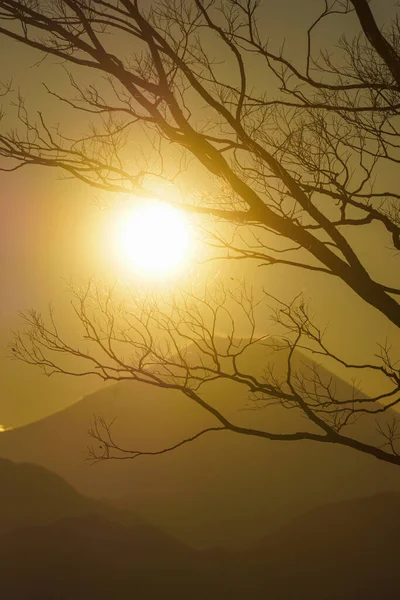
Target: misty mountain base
x=57 y=543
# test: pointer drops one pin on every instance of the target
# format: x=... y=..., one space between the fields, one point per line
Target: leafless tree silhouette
x=297 y=158
x=174 y=341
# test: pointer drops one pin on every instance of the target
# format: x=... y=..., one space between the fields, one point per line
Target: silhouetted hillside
x=224 y=489
x=345 y=550
x=32 y=496
x=55 y=543
x=340 y=550
x=91 y=559
x=361 y=526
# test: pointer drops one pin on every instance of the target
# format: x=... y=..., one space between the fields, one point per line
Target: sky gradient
x=52 y=230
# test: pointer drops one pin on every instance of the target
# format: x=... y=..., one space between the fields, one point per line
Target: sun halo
x=154 y=238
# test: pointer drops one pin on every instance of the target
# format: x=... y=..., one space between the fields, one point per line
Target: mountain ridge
x=345 y=549
x=217 y=491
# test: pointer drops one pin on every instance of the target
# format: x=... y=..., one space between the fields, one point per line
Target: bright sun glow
x=154 y=238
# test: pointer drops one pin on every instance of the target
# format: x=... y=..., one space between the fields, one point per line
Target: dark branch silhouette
x=174 y=342
x=295 y=158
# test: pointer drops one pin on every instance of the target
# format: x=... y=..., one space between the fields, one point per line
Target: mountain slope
x=54 y=543
x=359 y=526
x=340 y=550
x=221 y=490
x=32 y=496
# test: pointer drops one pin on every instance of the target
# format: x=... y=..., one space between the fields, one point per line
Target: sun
x=154 y=238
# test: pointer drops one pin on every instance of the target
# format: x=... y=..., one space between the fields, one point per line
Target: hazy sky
x=52 y=230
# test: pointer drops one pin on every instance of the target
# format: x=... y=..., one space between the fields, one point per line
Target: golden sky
x=52 y=230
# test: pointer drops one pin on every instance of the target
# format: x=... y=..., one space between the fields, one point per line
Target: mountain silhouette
x=222 y=490
x=341 y=550
x=364 y=526
x=33 y=496
x=56 y=543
